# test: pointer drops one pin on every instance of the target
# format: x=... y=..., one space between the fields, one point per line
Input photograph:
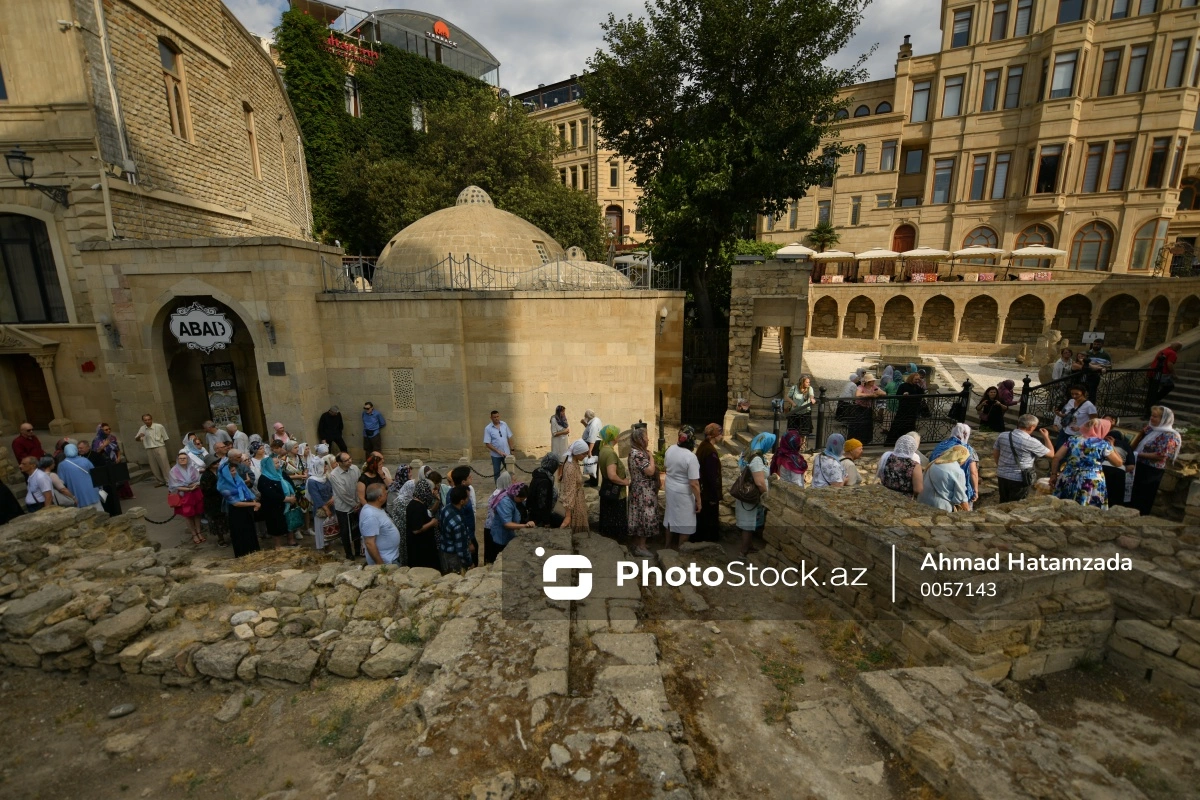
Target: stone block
x=632 y=648
x=221 y=660
x=1151 y=636
x=20 y=655
x=347 y=655
x=292 y=661
x=189 y=594
x=548 y=683
x=24 y=616
x=109 y=636
x=394 y=659
x=60 y=638
x=452 y=642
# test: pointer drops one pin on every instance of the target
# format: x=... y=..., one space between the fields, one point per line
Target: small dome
x=576 y=254
x=473 y=195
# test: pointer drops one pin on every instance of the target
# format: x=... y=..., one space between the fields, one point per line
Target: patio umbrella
x=877 y=252
x=931 y=253
x=1038 y=251
x=793 y=251
x=833 y=255
x=979 y=251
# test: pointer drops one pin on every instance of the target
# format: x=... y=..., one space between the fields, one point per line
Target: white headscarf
x=906 y=447
x=318 y=464
x=961 y=431
x=579 y=447
x=1165 y=427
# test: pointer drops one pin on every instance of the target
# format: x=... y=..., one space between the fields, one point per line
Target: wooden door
x=905 y=238
x=34 y=394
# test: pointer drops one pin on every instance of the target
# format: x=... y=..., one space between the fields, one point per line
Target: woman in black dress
x=908 y=407
x=240 y=502
x=421 y=527
x=275 y=493
x=991 y=410
x=111 y=503
x=542 y=494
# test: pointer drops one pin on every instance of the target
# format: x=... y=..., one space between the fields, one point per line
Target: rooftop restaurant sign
x=198 y=327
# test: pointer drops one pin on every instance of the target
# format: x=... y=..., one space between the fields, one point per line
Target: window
x=855 y=209
x=248 y=117
x=1177 y=63
x=1177 y=165
x=638 y=224
x=831 y=168
x=887 y=156
x=1091 y=247
x=999 y=21
x=176 y=87
x=909 y=202
x=28 y=273
x=1024 y=12
x=583 y=177
x=542 y=251
x=769 y=222
x=1047 y=174
x=585 y=129
x=883 y=108
x=1063 y=82
x=1000 y=176
x=952 y=96
x=1119 y=166
x=1070 y=10
x=883 y=200
x=1148 y=240
x=573 y=139
x=920 y=102
x=991 y=88
x=1041 y=95
x=1189 y=198
x=982 y=236
x=979 y=170
x=862 y=111
x=287 y=183
x=562 y=176
x=612 y=176
x=943 y=176
x=961 y=35
x=1147 y=6
x=1110 y=69
x=1120 y=9
x=913 y=160
x=860 y=159
x=842 y=114
x=1093 y=167
x=1158 y=162
x=1195 y=71
x=1188 y=3
x=794 y=215
x=562 y=134
x=353 y=108
x=1137 y=68
x=1034 y=234
x=1012 y=88
x=823 y=211
x=574 y=178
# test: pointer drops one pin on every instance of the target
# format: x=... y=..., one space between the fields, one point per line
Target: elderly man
x=240 y=440
x=344 y=479
x=154 y=438
x=380 y=536
x=26 y=444
x=1015 y=452
x=39 y=488
x=213 y=435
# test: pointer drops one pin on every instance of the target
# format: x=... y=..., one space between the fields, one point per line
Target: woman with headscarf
x=241 y=505
x=542 y=494
x=1157 y=444
x=909 y=406
x=887 y=376
x=991 y=410
x=944 y=483
x=76 y=472
x=573 y=499
x=218 y=522
x=751 y=517
x=294 y=467
x=851 y=452
x=320 y=495
x=827 y=465
x=712 y=488
x=801 y=400
x=507 y=514
x=502 y=484
x=960 y=434
x=614 y=513
x=643 y=491
x=788 y=463
x=194 y=447
x=105 y=443
x=900 y=468
x=276 y=495
x=421 y=527
x=682 y=485
x=560 y=430
x=861 y=423
x=184 y=482
x=111 y=499
x=591 y=435
x=1078 y=465
x=280 y=433
x=258 y=451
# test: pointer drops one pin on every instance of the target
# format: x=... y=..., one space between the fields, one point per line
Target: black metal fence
x=705 y=375
x=883 y=420
x=1119 y=392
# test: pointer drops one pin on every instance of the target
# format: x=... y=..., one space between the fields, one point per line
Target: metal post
x=1025 y=395
x=820 y=415
x=775 y=420
x=662 y=435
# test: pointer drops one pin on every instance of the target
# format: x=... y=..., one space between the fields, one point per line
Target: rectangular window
x=251 y=139
x=1047 y=174
x=1024 y=13
x=562 y=176
x=999 y=21
x=943 y=174
x=1063 y=82
x=612 y=176
x=991 y=88
x=1177 y=63
x=639 y=224
x=1137 y=68
x=883 y=201
x=1188 y=3
x=1094 y=167
x=585 y=129
x=1158 y=162
x=979 y=170
x=831 y=168
x=175 y=83
x=823 y=211
x=913 y=160
x=770 y=222
x=3 y=90
x=1195 y=68
x=1147 y=6
x=583 y=177
x=920 y=102
x=1110 y=69
x=1000 y=176
x=1177 y=165
x=887 y=156
x=574 y=178
x=794 y=215
x=1069 y=10
x=855 y=209
x=1120 y=9
x=573 y=139
x=961 y=35
x=908 y=202
x=1041 y=95
x=562 y=134
x=1119 y=166
x=860 y=159
x=1012 y=88
x=952 y=96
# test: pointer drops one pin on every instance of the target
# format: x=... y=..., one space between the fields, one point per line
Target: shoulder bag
x=1028 y=476
x=745 y=489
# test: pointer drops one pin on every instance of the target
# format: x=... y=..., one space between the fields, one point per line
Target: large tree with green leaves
x=725 y=109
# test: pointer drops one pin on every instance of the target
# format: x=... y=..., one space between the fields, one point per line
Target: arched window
x=175 y=83
x=1034 y=234
x=860 y=159
x=27 y=273
x=883 y=108
x=1148 y=240
x=842 y=114
x=1091 y=247
x=982 y=236
x=862 y=111
x=1189 y=195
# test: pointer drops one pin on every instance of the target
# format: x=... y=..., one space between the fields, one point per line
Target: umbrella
x=1038 y=251
x=834 y=255
x=877 y=252
x=794 y=250
x=925 y=252
x=979 y=251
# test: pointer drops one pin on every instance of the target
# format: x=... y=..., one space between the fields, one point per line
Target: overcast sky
x=543 y=41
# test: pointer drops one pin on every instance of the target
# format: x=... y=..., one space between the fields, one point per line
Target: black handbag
x=610 y=490
x=1028 y=476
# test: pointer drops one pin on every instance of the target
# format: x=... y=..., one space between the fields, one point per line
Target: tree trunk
x=704 y=312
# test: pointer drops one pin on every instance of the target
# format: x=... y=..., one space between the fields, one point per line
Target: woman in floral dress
x=643 y=493
x=573 y=499
x=1081 y=459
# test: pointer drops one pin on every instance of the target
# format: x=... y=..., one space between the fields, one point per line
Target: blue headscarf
x=759 y=446
x=271 y=471
x=71 y=451
x=959 y=435
x=231 y=487
x=835 y=445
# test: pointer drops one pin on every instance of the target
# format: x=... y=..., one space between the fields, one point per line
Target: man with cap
x=851 y=452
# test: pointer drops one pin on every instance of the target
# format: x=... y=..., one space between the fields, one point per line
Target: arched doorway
x=614 y=218
x=1026 y=318
x=905 y=238
x=1119 y=320
x=23 y=379
x=1072 y=317
x=898 y=319
x=1157 y=315
x=221 y=385
x=860 y=319
x=980 y=318
x=937 y=320
x=825 y=317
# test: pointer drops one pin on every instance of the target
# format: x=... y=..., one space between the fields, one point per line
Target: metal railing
x=1119 y=392
x=883 y=420
x=355 y=274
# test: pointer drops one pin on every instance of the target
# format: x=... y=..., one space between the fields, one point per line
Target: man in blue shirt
x=380 y=536
x=457 y=542
x=497 y=438
x=373 y=425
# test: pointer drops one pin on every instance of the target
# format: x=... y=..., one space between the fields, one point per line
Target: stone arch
x=937 y=320
x=862 y=111
x=1158 y=313
x=1025 y=321
x=825 y=317
x=980 y=320
x=898 y=319
x=860 y=319
x=1119 y=320
x=1072 y=316
x=1188 y=316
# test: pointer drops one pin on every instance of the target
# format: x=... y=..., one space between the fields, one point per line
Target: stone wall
x=770 y=294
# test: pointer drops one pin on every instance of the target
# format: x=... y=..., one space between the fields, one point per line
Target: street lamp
x=21 y=166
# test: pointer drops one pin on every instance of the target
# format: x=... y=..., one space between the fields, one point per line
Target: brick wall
x=897 y=323
x=860 y=319
x=1119 y=321
x=1024 y=323
x=979 y=321
x=937 y=320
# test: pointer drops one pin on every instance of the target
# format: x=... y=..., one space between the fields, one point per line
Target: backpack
x=745 y=489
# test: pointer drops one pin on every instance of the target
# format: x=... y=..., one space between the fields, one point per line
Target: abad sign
x=201 y=328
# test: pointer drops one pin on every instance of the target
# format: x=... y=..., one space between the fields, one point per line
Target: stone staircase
x=1185 y=400
x=768 y=374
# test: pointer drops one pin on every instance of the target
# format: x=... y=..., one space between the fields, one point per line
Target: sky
x=543 y=41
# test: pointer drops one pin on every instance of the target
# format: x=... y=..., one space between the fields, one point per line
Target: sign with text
x=220 y=385
x=201 y=328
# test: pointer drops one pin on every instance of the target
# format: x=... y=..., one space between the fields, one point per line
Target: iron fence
x=705 y=376
x=355 y=274
x=883 y=420
x=1119 y=392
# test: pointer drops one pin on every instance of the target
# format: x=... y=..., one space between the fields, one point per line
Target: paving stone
x=632 y=648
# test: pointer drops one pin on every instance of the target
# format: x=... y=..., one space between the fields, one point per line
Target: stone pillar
x=808 y=323
x=957 y=327
x=1143 y=323
x=841 y=324
x=1000 y=320
x=60 y=425
x=878 y=325
x=1171 y=315
x=1095 y=320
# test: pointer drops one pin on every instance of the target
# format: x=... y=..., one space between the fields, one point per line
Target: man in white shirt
x=1016 y=451
x=39 y=492
x=154 y=438
x=497 y=438
x=344 y=479
x=240 y=440
x=214 y=436
x=1062 y=367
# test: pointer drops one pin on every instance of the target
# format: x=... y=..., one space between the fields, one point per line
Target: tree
x=725 y=108
x=824 y=235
